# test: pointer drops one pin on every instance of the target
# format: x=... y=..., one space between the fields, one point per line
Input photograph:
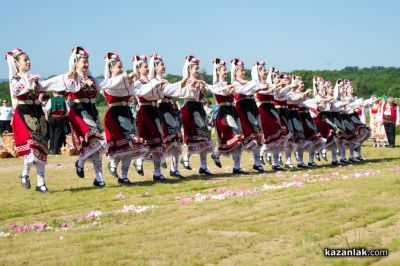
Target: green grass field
x=259 y=219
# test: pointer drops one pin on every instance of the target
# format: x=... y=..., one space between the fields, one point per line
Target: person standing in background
x=56 y=111
x=6 y=114
x=391 y=120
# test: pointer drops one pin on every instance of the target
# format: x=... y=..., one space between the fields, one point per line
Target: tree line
x=375 y=80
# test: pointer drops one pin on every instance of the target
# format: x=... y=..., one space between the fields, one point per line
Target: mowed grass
x=289 y=226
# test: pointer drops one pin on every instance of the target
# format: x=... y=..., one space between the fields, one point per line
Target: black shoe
x=344 y=161
x=175 y=174
x=27 y=183
x=258 y=168
x=184 y=164
x=239 y=171
x=99 y=184
x=79 y=171
x=336 y=163
x=139 y=169
x=113 y=173
x=42 y=189
x=204 y=171
x=312 y=165
x=159 y=178
x=277 y=168
x=301 y=165
x=290 y=166
x=164 y=165
x=318 y=157
x=124 y=181
x=360 y=158
x=352 y=160
x=216 y=160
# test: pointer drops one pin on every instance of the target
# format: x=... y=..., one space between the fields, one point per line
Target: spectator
x=6 y=114
x=391 y=120
x=56 y=111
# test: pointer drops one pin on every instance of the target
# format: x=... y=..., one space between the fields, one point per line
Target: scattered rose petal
x=120 y=196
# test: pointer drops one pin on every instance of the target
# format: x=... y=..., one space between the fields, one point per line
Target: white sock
x=114 y=161
x=156 y=163
x=81 y=162
x=288 y=158
x=342 y=152
x=186 y=159
x=275 y=158
x=26 y=169
x=358 y=149
x=174 y=159
x=125 y=163
x=311 y=155
x=263 y=150
x=351 y=151
x=256 y=156
x=139 y=161
x=236 y=156
x=203 y=160
x=334 y=154
x=40 y=173
x=98 y=167
x=300 y=156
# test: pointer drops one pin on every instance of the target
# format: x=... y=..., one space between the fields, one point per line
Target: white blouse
x=24 y=85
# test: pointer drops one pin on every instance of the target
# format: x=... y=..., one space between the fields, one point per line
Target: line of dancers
x=271 y=116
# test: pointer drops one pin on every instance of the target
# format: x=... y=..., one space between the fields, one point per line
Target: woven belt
x=85 y=100
x=247 y=97
x=148 y=104
x=123 y=103
x=261 y=102
x=28 y=102
x=226 y=104
x=165 y=101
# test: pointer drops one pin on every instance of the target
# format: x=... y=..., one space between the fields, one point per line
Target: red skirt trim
x=149 y=128
x=28 y=142
x=87 y=139
x=118 y=144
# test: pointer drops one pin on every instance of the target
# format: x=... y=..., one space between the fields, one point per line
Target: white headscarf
x=137 y=60
x=272 y=71
x=336 y=89
x=189 y=61
x=295 y=79
x=77 y=52
x=315 y=82
x=110 y=57
x=12 y=70
x=154 y=59
x=255 y=69
x=217 y=63
x=235 y=63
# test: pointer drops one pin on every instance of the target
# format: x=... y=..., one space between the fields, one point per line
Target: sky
x=308 y=34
